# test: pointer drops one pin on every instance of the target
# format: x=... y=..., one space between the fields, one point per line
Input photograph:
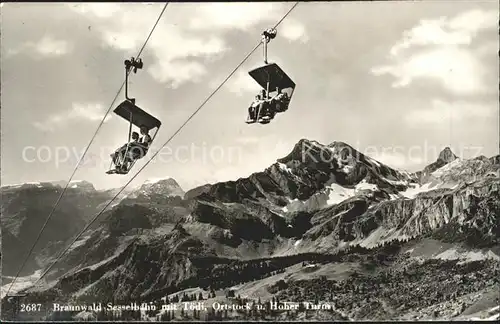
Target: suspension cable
x=158 y=151
x=84 y=152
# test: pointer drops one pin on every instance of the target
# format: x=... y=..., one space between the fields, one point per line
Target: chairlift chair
x=272 y=79
x=136 y=116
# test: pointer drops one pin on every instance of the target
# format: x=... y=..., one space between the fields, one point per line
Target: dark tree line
x=216 y=273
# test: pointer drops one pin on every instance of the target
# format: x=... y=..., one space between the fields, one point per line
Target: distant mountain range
x=325 y=224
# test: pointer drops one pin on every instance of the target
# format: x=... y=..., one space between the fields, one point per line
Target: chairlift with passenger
x=277 y=87
x=125 y=157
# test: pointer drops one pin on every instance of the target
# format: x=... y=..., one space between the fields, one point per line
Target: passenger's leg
x=264 y=109
x=125 y=158
x=278 y=106
x=124 y=167
x=271 y=109
x=115 y=156
x=121 y=154
x=117 y=151
x=259 y=110
x=251 y=113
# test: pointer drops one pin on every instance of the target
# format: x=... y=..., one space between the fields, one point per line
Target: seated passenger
x=253 y=109
x=146 y=139
x=120 y=153
x=266 y=109
x=264 y=103
x=139 y=149
x=279 y=96
x=272 y=105
x=258 y=106
x=279 y=100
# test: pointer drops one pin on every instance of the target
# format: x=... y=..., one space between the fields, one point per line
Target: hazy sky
x=396 y=80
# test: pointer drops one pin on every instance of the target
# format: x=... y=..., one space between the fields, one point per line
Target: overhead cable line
x=166 y=143
x=85 y=152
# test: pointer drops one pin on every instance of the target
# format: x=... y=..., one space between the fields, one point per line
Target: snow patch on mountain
x=159 y=186
x=337 y=194
x=284 y=167
x=19 y=185
x=379 y=236
x=79 y=242
x=152 y=181
x=331 y=195
x=395 y=182
x=412 y=191
x=434 y=182
x=36 y=183
x=76 y=183
x=467 y=256
x=363 y=185
x=446 y=168
x=20 y=284
x=291 y=202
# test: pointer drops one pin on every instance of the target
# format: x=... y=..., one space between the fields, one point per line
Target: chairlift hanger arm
x=131 y=65
x=267 y=35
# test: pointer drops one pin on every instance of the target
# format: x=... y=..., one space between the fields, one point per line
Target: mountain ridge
x=324 y=203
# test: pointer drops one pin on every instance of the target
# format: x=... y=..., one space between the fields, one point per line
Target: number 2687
x=30 y=307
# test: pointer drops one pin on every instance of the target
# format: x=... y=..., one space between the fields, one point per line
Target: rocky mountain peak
x=321 y=207
x=312 y=152
x=165 y=186
x=338 y=144
x=190 y=194
x=446 y=155
x=495 y=159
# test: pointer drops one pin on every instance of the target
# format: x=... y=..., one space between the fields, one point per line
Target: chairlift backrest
x=132 y=113
x=272 y=74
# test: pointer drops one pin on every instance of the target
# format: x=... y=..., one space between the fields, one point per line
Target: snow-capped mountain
x=73 y=184
x=323 y=221
x=445 y=156
x=162 y=186
x=315 y=176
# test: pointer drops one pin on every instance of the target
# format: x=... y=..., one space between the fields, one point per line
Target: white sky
x=397 y=80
